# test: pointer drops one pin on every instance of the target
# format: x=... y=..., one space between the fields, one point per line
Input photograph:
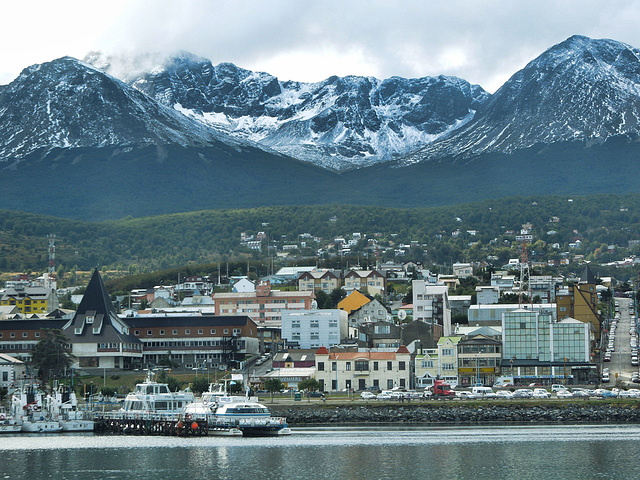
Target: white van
x=555 y=387
x=483 y=392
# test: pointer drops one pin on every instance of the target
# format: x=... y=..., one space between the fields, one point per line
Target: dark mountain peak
x=581 y=89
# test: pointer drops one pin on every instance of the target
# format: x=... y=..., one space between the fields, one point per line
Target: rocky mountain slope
x=581 y=90
x=339 y=123
x=70 y=104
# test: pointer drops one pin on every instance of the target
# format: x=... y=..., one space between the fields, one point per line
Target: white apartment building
x=314 y=328
x=431 y=305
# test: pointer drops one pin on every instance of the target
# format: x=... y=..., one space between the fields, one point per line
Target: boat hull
x=10 y=428
x=77 y=425
x=41 y=427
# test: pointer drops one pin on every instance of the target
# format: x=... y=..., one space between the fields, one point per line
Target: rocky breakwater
x=588 y=412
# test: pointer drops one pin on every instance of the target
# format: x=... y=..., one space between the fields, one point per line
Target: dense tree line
x=441 y=235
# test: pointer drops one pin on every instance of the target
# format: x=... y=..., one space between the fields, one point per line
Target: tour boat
x=236 y=414
x=151 y=397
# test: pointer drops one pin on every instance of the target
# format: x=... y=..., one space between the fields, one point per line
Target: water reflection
x=526 y=452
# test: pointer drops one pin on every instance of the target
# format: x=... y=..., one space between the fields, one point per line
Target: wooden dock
x=150 y=424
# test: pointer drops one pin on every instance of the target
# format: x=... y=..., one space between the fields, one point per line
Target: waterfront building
x=439 y=363
x=491 y=315
x=11 y=370
x=479 y=360
x=338 y=370
x=19 y=336
x=536 y=348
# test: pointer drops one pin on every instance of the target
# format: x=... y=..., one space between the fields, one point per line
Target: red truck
x=442 y=389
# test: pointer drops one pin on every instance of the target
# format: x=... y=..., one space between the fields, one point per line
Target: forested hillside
x=442 y=235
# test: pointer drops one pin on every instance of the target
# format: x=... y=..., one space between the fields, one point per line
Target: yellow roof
x=353 y=301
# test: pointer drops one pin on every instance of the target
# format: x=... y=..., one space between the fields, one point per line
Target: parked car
x=523 y=393
x=386 y=395
x=541 y=393
x=373 y=389
x=315 y=395
x=464 y=395
x=505 y=394
x=564 y=394
x=367 y=396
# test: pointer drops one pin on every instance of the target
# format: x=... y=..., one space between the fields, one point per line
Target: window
x=149 y=332
x=174 y=332
x=334 y=366
x=24 y=334
x=375 y=366
x=226 y=331
x=237 y=331
x=348 y=366
x=213 y=331
x=427 y=364
x=37 y=334
x=389 y=384
x=12 y=334
x=401 y=366
x=362 y=365
x=334 y=384
x=161 y=332
x=187 y=332
x=136 y=332
x=389 y=365
x=200 y=331
x=320 y=366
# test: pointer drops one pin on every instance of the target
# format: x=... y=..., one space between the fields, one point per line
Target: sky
x=481 y=41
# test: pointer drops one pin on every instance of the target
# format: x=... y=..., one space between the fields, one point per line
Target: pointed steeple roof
x=587 y=276
x=96 y=318
x=96 y=297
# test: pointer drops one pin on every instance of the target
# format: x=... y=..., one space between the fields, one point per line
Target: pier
x=150 y=424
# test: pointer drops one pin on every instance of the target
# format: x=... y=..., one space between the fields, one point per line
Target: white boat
x=151 y=397
x=230 y=414
x=64 y=404
x=32 y=411
x=8 y=423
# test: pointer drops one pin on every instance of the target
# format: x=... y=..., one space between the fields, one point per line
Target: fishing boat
x=8 y=423
x=32 y=411
x=64 y=404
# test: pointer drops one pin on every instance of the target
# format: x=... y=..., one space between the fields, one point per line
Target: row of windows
x=194 y=343
x=362 y=366
x=187 y=331
x=24 y=334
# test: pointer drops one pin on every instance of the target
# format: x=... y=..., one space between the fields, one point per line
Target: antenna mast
x=525 y=285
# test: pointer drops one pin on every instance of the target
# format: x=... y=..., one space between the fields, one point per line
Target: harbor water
x=491 y=452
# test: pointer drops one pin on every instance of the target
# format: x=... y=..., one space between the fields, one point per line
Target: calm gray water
x=510 y=452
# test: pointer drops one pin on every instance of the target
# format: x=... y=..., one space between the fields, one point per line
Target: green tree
x=52 y=354
x=199 y=385
x=272 y=386
x=310 y=384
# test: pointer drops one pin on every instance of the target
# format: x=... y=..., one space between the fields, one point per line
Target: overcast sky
x=482 y=41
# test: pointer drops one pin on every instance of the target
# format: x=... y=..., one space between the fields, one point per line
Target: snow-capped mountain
x=68 y=104
x=578 y=90
x=339 y=123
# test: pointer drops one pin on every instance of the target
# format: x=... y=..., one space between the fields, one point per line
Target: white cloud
x=483 y=42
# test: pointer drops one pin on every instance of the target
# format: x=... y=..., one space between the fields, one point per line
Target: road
x=620 y=363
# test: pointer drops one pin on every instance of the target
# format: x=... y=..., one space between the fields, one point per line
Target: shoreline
x=457 y=414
